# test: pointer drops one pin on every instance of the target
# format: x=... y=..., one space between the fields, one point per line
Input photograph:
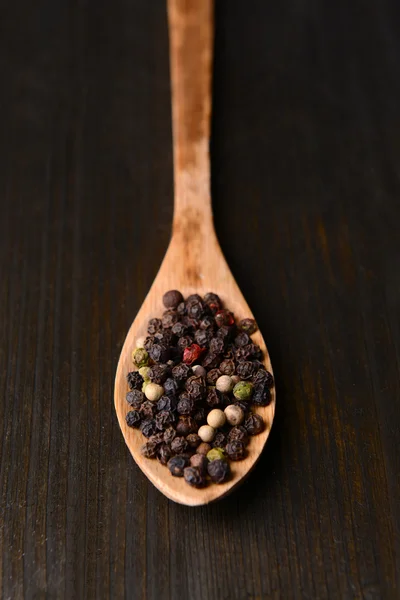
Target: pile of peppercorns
x=198 y=376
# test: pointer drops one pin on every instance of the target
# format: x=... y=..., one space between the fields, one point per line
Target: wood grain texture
x=305 y=155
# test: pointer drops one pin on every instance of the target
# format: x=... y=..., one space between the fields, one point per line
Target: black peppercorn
x=193 y=440
x=135 y=380
x=147 y=410
x=196 y=387
x=166 y=403
x=133 y=418
x=200 y=415
x=159 y=373
x=238 y=434
x=193 y=298
x=254 y=424
x=245 y=369
x=218 y=470
x=217 y=345
x=176 y=465
x=181 y=372
x=195 y=310
x=248 y=325
x=224 y=318
x=242 y=339
x=181 y=309
x=248 y=351
x=160 y=353
x=212 y=376
x=164 y=419
x=164 y=453
x=186 y=425
x=214 y=398
x=265 y=377
x=172 y=299
x=207 y=323
x=203 y=448
x=262 y=394
x=170 y=387
x=211 y=360
x=202 y=337
x=226 y=332
x=184 y=342
x=213 y=302
x=169 y=318
x=135 y=398
x=227 y=367
x=179 y=329
x=148 y=427
x=165 y=337
x=194 y=477
x=219 y=441
x=149 y=450
x=154 y=326
x=179 y=445
x=236 y=450
x=185 y=405
x=169 y=435
x=200 y=461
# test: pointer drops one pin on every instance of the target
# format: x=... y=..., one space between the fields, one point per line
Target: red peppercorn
x=192 y=353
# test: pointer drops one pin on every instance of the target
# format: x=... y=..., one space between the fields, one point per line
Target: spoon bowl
x=194 y=262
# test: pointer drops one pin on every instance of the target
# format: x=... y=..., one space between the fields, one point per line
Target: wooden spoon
x=194 y=261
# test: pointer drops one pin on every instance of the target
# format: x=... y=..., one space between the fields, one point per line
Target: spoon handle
x=191 y=32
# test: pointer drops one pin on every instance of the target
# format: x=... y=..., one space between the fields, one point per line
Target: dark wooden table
x=306 y=187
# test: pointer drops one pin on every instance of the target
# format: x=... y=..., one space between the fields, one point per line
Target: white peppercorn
x=153 y=391
x=216 y=418
x=234 y=414
x=207 y=433
x=199 y=371
x=224 y=384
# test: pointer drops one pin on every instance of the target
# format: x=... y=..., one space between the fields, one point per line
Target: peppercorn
x=203 y=337
x=190 y=323
x=186 y=425
x=212 y=302
x=212 y=376
x=172 y=298
x=236 y=450
x=193 y=440
x=224 y=317
x=216 y=454
x=179 y=445
x=169 y=435
x=154 y=326
x=184 y=342
x=262 y=394
x=200 y=415
x=159 y=373
x=238 y=434
x=216 y=418
x=145 y=384
x=160 y=353
x=243 y=390
x=218 y=470
x=192 y=353
x=200 y=462
x=224 y=384
x=235 y=379
x=164 y=419
x=195 y=309
x=147 y=410
x=196 y=387
x=234 y=414
x=248 y=325
x=207 y=323
x=246 y=369
x=217 y=345
x=193 y=298
x=185 y=405
x=148 y=427
x=181 y=309
x=207 y=433
x=226 y=332
x=245 y=406
x=170 y=387
x=214 y=398
x=148 y=343
x=154 y=392
x=254 y=424
x=144 y=373
x=178 y=329
x=227 y=367
x=140 y=357
x=211 y=360
x=149 y=450
x=203 y=448
x=169 y=318
x=135 y=398
x=242 y=339
x=133 y=418
x=165 y=336
x=177 y=464
x=181 y=372
x=164 y=453
x=265 y=377
x=194 y=477
x=166 y=403
x=199 y=371
x=135 y=380
x=249 y=351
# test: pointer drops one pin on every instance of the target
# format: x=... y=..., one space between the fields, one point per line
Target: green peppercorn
x=243 y=390
x=216 y=454
x=140 y=357
x=144 y=372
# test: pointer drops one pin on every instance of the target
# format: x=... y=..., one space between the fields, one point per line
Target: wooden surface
x=306 y=191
